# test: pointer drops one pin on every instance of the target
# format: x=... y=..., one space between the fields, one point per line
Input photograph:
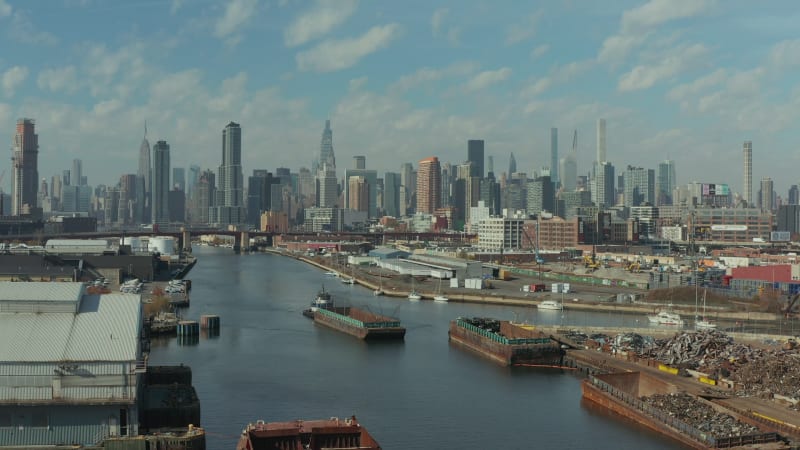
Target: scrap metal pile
x=756 y=371
x=633 y=341
x=699 y=415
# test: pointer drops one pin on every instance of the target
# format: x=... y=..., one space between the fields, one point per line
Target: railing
x=500 y=338
x=679 y=425
x=357 y=323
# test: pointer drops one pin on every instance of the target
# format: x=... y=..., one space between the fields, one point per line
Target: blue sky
x=688 y=80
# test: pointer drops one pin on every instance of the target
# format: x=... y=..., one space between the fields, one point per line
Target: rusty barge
x=505 y=342
x=360 y=323
x=304 y=434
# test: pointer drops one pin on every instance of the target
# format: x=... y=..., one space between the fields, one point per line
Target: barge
x=359 y=323
x=330 y=433
x=505 y=342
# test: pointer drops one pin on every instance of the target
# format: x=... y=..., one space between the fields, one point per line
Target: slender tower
x=601 y=140
x=25 y=162
x=747 y=191
x=554 y=156
x=144 y=187
x=429 y=185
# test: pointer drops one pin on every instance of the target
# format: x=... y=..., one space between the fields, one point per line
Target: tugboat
x=322 y=301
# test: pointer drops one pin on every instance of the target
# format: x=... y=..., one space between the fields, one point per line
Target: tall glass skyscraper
x=230 y=191
x=161 y=172
x=25 y=162
x=144 y=187
x=475 y=156
x=665 y=183
x=554 y=156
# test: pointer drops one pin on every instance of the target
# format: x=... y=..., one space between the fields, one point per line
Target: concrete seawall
x=493 y=298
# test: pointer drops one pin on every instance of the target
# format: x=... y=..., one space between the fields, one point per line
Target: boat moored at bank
x=303 y=434
x=505 y=342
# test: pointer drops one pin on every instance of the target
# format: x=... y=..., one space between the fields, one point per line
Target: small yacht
x=440 y=298
x=666 y=317
x=414 y=296
x=551 y=304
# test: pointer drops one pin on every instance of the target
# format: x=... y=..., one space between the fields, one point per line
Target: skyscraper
x=512 y=165
x=358 y=193
x=604 y=185
x=179 y=178
x=229 y=208
x=327 y=187
x=326 y=155
x=145 y=187
x=475 y=156
x=429 y=184
x=554 y=156
x=360 y=162
x=767 y=188
x=639 y=186
x=569 y=167
x=408 y=183
x=391 y=194
x=747 y=188
x=25 y=162
x=161 y=171
x=601 y=140
x=77 y=171
x=490 y=167
x=665 y=183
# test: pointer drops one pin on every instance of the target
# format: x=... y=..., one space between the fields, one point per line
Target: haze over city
x=684 y=80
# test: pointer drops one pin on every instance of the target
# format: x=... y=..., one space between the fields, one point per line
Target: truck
x=533 y=288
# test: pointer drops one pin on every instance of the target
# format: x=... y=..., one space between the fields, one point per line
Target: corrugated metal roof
x=51 y=243
x=41 y=291
x=106 y=328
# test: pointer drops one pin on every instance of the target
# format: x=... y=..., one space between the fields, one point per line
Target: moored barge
x=359 y=323
x=505 y=342
x=304 y=434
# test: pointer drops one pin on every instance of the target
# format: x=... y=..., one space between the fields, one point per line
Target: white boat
x=331 y=274
x=414 y=296
x=551 y=304
x=348 y=280
x=666 y=317
x=704 y=323
x=439 y=297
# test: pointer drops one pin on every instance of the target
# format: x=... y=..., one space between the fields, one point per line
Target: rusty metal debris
x=699 y=415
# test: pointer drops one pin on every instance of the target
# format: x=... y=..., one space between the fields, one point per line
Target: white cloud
x=785 y=53
x=318 y=21
x=558 y=75
x=5 y=9
x=437 y=19
x=671 y=64
x=657 y=12
x=487 y=78
x=13 y=78
x=175 y=6
x=639 y=23
x=332 y=55
x=237 y=14
x=540 y=50
x=428 y=74
x=58 y=80
x=22 y=30
x=616 y=48
x=438 y=28
x=520 y=32
x=357 y=83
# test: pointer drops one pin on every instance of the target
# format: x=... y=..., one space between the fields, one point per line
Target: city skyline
x=667 y=77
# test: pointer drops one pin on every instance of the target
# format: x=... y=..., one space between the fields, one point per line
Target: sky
x=687 y=80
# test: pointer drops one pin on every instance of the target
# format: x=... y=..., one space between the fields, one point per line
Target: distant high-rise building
x=327 y=191
x=767 y=195
x=177 y=205
x=126 y=201
x=604 y=190
x=194 y=178
x=229 y=207
x=639 y=186
x=360 y=162
x=554 y=176
x=540 y=196
x=512 y=165
x=179 y=178
x=408 y=191
x=358 y=194
x=490 y=167
x=161 y=171
x=25 y=162
x=429 y=184
x=475 y=156
x=601 y=140
x=569 y=167
x=391 y=194
x=747 y=188
x=794 y=195
x=77 y=172
x=205 y=193
x=145 y=188
x=326 y=155
x=665 y=183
